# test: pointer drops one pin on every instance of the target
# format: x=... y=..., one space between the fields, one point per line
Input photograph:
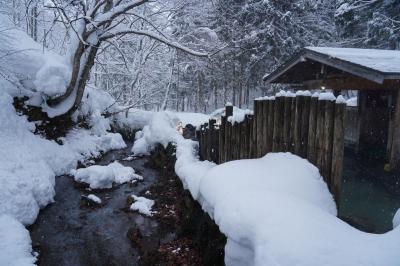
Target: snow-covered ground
x=275 y=210
x=29 y=163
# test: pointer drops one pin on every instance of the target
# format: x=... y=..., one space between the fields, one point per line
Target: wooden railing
x=310 y=127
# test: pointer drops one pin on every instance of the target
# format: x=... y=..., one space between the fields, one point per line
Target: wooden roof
x=340 y=68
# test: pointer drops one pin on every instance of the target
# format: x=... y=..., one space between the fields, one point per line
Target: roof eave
x=352 y=68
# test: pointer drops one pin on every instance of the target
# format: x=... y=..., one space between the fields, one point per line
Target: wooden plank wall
x=303 y=125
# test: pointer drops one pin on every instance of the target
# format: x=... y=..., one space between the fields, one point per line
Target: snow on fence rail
x=311 y=127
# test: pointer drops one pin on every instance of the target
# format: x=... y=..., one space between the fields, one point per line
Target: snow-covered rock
x=94 y=198
x=142 y=205
x=99 y=177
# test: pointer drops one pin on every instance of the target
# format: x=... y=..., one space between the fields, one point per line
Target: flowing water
x=66 y=233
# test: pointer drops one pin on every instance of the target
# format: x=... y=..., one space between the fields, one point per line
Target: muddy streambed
x=69 y=233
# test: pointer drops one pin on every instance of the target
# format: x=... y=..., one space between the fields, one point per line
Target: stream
x=66 y=233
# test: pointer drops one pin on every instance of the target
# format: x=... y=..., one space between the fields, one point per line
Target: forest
x=242 y=41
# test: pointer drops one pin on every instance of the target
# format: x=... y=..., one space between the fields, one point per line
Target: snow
x=15 y=244
x=100 y=177
x=396 y=219
x=270 y=98
x=326 y=96
x=303 y=93
x=315 y=94
x=94 y=198
x=134 y=119
x=195 y=119
x=273 y=214
x=283 y=93
x=352 y=102
x=142 y=205
x=387 y=61
x=28 y=166
x=35 y=71
x=239 y=115
x=341 y=99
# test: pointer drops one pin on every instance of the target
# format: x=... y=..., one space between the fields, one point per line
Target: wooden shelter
x=374 y=73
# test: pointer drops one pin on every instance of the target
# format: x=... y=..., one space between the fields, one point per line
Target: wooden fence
x=309 y=127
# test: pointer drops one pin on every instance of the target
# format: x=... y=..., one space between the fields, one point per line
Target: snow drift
x=99 y=177
x=275 y=210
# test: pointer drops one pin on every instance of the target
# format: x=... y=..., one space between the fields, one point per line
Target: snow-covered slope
x=28 y=162
x=28 y=69
x=275 y=210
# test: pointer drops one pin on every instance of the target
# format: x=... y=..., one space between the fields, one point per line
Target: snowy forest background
x=245 y=40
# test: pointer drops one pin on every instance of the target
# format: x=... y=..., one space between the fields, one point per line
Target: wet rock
x=134 y=235
x=90 y=201
x=129 y=201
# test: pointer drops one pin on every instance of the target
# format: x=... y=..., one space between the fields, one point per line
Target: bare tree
x=93 y=23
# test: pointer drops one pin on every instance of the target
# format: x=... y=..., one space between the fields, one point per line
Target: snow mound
x=142 y=205
x=161 y=130
x=99 y=177
x=15 y=243
x=238 y=114
x=25 y=62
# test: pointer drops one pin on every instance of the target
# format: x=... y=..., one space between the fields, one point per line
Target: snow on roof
x=387 y=61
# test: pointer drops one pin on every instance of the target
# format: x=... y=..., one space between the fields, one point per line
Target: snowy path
x=66 y=234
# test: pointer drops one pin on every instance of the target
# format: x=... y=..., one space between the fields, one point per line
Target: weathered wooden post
x=270 y=123
x=312 y=128
x=297 y=124
x=221 y=139
x=250 y=127
x=278 y=124
x=319 y=135
x=287 y=124
x=328 y=140
x=255 y=125
x=305 y=119
x=260 y=126
x=265 y=111
x=228 y=133
x=211 y=140
x=243 y=138
x=338 y=150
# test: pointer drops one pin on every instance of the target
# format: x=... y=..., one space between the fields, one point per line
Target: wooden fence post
x=328 y=140
x=278 y=124
x=312 y=128
x=270 y=122
x=265 y=126
x=338 y=151
x=287 y=124
x=319 y=136
x=297 y=125
x=221 y=139
x=260 y=126
x=250 y=134
x=210 y=140
x=228 y=133
x=305 y=119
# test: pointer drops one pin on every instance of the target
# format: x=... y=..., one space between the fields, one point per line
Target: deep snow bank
x=28 y=69
x=275 y=210
x=29 y=164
